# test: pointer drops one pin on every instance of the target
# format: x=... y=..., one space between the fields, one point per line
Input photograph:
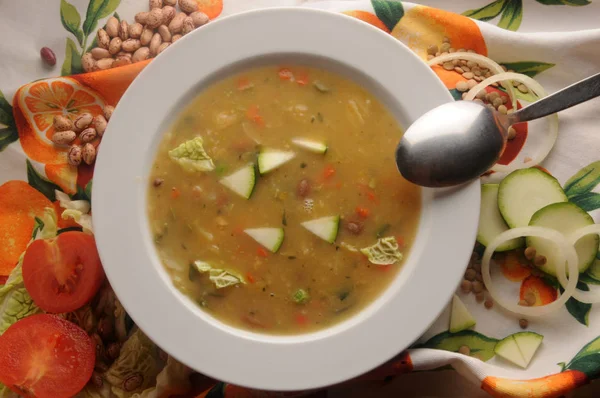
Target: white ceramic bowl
x=390 y=324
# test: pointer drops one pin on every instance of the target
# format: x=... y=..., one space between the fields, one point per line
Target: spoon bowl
x=448 y=140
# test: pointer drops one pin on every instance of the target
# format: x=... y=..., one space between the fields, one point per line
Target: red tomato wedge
x=46 y=356
x=64 y=273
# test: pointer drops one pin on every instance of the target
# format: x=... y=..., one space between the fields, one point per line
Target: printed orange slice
x=543 y=293
x=423 y=26
x=369 y=18
x=512 y=266
x=19 y=204
x=36 y=105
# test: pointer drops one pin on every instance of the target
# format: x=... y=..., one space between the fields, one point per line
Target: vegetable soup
x=275 y=202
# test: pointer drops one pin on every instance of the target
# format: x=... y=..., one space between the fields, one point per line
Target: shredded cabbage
x=139 y=358
x=47 y=226
x=173 y=380
x=384 y=252
x=66 y=203
x=15 y=301
x=85 y=220
x=191 y=156
x=220 y=277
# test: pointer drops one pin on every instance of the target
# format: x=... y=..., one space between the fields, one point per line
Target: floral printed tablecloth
x=555 y=41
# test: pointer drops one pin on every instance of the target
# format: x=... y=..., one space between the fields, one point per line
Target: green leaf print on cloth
x=580 y=311
x=482 y=347
x=512 y=14
x=8 y=130
x=389 y=12
x=486 y=13
x=529 y=68
x=511 y=11
x=575 y=3
x=579 y=187
x=587 y=360
x=72 y=62
x=98 y=9
x=71 y=20
x=584 y=180
x=40 y=183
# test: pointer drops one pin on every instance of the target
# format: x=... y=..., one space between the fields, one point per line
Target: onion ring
x=565 y=251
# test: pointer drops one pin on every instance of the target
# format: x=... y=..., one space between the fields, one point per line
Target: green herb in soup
x=275 y=202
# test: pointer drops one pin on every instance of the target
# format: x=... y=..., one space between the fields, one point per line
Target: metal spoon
x=458 y=141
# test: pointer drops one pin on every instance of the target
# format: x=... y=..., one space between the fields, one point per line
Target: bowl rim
x=368 y=339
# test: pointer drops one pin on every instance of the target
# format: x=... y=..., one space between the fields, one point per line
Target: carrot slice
x=286 y=74
x=328 y=172
x=262 y=252
x=362 y=212
x=302 y=78
x=253 y=114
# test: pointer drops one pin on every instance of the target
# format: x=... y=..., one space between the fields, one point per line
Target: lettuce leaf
x=85 y=220
x=6 y=392
x=15 y=302
x=47 y=226
x=384 y=252
x=66 y=203
x=220 y=277
x=191 y=156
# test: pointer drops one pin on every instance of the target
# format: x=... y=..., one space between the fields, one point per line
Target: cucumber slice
x=270 y=238
x=519 y=348
x=525 y=191
x=491 y=223
x=460 y=317
x=270 y=159
x=242 y=181
x=325 y=228
x=313 y=146
x=528 y=343
x=594 y=271
x=508 y=349
x=564 y=218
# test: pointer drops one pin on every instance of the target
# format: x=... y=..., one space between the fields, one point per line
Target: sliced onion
x=565 y=250
x=589 y=297
x=481 y=60
x=553 y=119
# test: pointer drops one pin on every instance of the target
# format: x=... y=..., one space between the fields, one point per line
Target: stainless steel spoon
x=458 y=141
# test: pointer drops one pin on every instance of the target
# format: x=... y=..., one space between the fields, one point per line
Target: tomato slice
x=64 y=273
x=46 y=356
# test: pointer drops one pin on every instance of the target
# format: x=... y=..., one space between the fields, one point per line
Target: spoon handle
x=572 y=95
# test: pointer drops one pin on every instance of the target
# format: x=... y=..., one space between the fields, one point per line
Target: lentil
x=462 y=86
x=530 y=253
x=465 y=286
x=539 y=260
x=512 y=133
x=470 y=274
